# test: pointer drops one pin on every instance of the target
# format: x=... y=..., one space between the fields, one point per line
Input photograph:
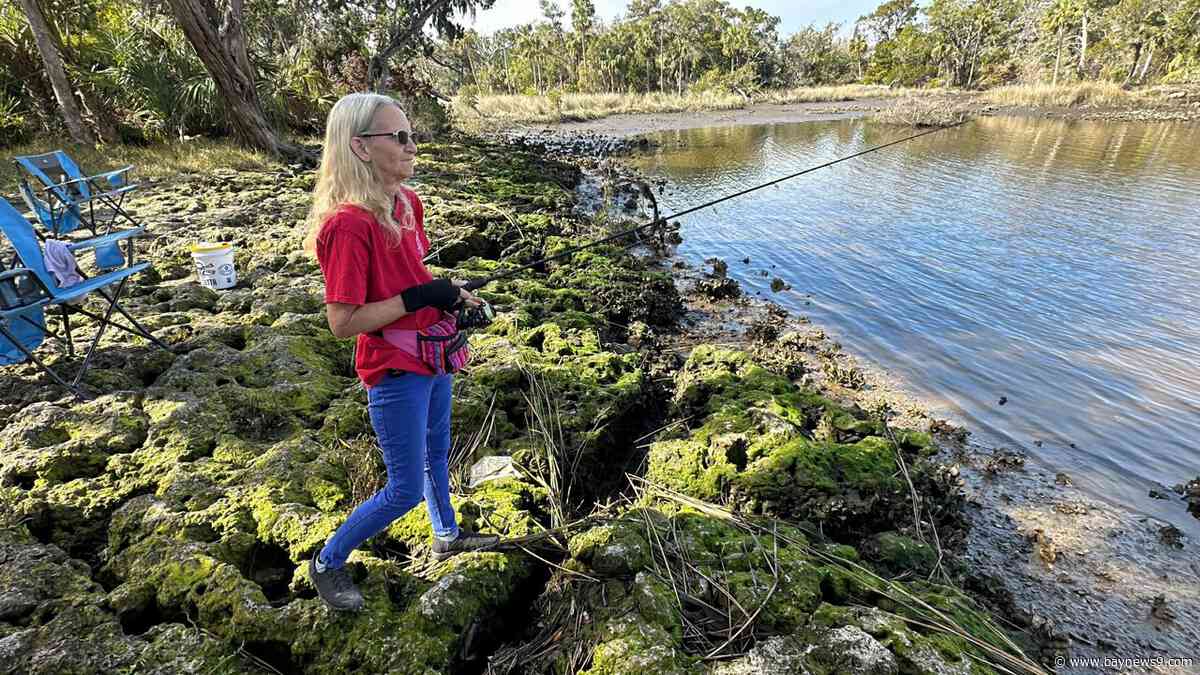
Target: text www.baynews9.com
x=1183 y=664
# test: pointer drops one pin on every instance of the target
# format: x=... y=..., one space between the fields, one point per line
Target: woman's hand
x=467 y=297
x=438 y=293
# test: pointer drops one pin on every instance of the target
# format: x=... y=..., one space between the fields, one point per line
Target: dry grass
x=201 y=155
x=1063 y=95
x=554 y=465
x=843 y=92
x=362 y=461
x=1000 y=652
x=942 y=104
x=923 y=112
x=581 y=107
x=463 y=450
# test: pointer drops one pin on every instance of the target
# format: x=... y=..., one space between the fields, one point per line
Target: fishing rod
x=479 y=283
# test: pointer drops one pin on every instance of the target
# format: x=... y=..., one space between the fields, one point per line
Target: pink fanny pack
x=441 y=346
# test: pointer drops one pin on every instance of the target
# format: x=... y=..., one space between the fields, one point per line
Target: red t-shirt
x=361 y=265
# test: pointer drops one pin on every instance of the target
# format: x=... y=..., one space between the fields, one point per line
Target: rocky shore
x=1084 y=578
x=701 y=484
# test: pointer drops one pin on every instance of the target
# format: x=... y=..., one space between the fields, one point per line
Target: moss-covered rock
x=168 y=530
x=767 y=446
x=899 y=554
x=51 y=444
x=618 y=549
x=55 y=619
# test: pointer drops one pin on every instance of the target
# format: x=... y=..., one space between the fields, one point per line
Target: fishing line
x=478 y=283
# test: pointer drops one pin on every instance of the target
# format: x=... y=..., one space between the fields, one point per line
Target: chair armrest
x=115 y=173
x=113 y=178
x=107 y=239
x=75 y=199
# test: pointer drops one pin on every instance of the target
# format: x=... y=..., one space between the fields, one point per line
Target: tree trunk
x=378 y=70
x=1137 y=57
x=52 y=60
x=1146 y=67
x=104 y=122
x=1083 y=44
x=223 y=52
x=380 y=64
x=662 y=85
x=1058 y=59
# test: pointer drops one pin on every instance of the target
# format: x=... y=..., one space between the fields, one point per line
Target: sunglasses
x=400 y=136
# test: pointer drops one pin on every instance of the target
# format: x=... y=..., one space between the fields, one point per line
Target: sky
x=794 y=14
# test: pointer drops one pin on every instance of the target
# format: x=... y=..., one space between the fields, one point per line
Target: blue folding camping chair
x=67 y=199
x=107 y=257
x=24 y=241
x=23 y=324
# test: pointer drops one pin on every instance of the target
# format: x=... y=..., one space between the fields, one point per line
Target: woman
x=368 y=233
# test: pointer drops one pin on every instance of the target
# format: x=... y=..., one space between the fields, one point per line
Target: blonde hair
x=345 y=179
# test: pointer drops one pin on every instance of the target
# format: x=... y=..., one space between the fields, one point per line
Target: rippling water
x=1054 y=263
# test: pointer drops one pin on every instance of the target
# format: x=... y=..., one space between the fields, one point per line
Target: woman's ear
x=359 y=148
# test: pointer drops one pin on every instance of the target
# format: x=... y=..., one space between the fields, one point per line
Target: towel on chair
x=61 y=263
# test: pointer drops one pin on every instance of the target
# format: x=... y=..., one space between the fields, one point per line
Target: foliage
x=137 y=72
x=13 y=126
x=139 y=78
x=817 y=56
x=697 y=46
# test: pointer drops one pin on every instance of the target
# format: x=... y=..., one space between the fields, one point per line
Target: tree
x=583 y=21
x=553 y=39
x=52 y=60
x=858 y=49
x=1061 y=15
x=397 y=26
x=908 y=59
x=1138 y=26
x=816 y=56
x=583 y=16
x=220 y=42
x=967 y=30
x=888 y=19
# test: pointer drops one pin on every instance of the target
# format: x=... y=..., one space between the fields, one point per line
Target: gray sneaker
x=466 y=541
x=336 y=587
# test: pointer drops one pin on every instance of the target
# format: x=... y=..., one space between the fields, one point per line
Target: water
x=1054 y=263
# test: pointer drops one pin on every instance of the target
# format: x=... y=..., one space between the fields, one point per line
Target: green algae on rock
x=765 y=445
x=197 y=500
x=192 y=506
x=661 y=587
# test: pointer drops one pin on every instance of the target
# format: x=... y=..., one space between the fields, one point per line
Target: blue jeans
x=411 y=416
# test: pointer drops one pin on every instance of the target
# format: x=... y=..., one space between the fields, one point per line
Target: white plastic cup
x=214 y=264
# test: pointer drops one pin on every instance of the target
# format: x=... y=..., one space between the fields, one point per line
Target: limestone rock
x=850 y=650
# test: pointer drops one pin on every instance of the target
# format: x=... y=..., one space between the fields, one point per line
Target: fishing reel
x=474 y=317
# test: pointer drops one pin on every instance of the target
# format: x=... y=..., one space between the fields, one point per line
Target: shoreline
x=1032 y=542
x=637 y=124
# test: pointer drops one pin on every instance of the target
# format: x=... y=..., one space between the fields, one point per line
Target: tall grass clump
x=560 y=107
x=922 y=112
x=1062 y=95
x=361 y=460
x=582 y=107
x=841 y=92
